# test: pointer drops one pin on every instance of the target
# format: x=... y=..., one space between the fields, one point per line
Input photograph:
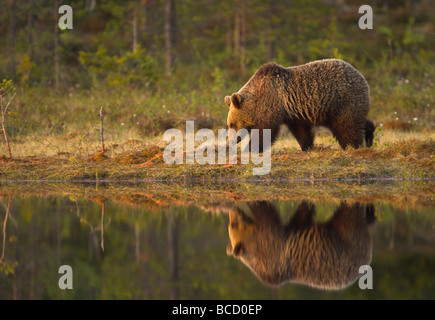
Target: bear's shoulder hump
x=270 y=69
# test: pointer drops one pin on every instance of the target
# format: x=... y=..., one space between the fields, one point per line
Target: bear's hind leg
x=303 y=134
x=369 y=133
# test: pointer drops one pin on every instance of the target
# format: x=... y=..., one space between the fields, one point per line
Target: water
x=137 y=247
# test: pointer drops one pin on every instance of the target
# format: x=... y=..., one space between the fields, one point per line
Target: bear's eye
x=232 y=126
x=238 y=249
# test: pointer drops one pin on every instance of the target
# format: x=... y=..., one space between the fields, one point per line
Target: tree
x=143 y=25
x=91 y=4
x=13 y=36
x=56 y=45
x=30 y=29
x=170 y=32
x=135 y=35
x=240 y=34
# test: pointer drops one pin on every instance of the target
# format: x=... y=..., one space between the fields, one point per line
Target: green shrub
x=134 y=68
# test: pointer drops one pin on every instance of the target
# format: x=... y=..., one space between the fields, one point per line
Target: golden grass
x=87 y=143
x=398 y=155
x=79 y=144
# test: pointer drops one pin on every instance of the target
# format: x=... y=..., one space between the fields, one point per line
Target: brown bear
x=322 y=255
x=329 y=93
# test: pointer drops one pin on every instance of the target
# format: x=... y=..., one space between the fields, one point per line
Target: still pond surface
x=249 y=250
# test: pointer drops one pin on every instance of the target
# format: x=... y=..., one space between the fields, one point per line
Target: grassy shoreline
x=405 y=158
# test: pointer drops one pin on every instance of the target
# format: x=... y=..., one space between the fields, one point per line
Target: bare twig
x=84 y=136
x=3 y=121
x=47 y=143
x=102 y=225
x=7 y=106
x=82 y=219
x=93 y=229
x=4 y=229
x=101 y=130
x=5 y=92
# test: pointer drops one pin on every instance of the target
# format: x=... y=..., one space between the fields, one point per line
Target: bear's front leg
x=303 y=134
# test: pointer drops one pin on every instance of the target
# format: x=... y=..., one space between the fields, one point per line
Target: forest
x=153 y=64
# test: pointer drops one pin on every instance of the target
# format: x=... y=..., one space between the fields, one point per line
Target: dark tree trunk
x=56 y=44
x=30 y=30
x=13 y=36
x=143 y=23
x=242 y=36
x=170 y=32
x=237 y=31
x=270 y=31
x=135 y=33
x=228 y=40
x=91 y=5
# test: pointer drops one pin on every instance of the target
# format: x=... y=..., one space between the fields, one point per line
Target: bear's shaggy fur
x=329 y=93
x=322 y=255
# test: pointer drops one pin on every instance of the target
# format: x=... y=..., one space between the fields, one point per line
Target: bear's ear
x=229 y=249
x=238 y=250
x=228 y=101
x=237 y=99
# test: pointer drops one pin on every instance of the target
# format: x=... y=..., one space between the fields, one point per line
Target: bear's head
x=246 y=113
x=259 y=104
x=239 y=116
x=257 y=241
x=241 y=230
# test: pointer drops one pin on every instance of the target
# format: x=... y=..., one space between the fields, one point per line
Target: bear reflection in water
x=322 y=255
